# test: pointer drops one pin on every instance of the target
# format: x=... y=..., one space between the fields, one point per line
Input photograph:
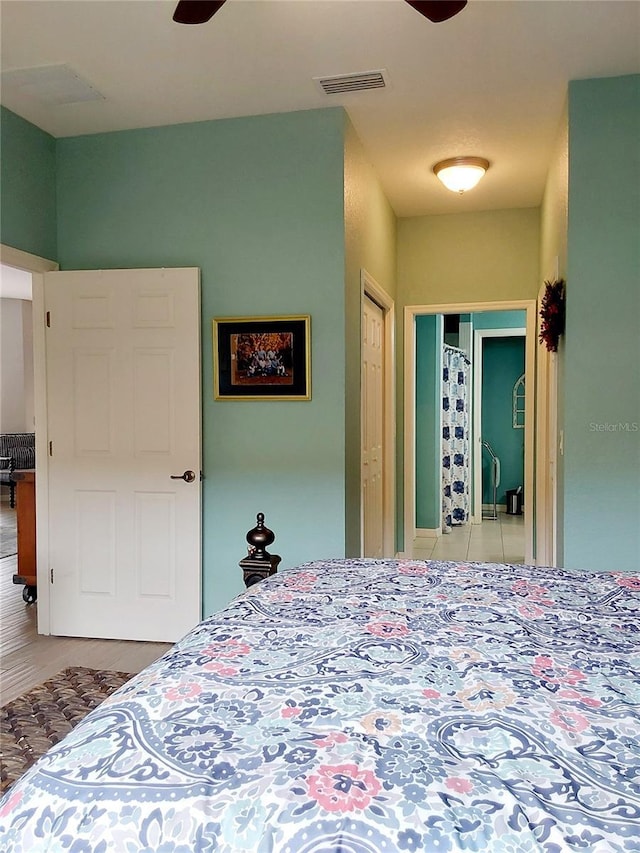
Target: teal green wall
x=27 y=186
x=602 y=344
x=257 y=204
x=499 y=319
x=502 y=366
x=428 y=421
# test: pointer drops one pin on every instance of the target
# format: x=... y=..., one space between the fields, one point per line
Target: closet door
x=372 y=428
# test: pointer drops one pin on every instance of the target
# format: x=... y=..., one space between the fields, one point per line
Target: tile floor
x=500 y=541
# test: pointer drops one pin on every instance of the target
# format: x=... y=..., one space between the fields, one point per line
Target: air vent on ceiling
x=340 y=83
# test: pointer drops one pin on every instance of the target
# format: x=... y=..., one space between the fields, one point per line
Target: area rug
x=33 y=723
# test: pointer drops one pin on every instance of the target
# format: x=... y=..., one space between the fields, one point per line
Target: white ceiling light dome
x=460 y=174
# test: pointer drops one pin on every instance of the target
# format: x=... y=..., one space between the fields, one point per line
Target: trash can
x=514 y=501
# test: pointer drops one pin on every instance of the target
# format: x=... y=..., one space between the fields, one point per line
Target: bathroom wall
x=502 y=366
x=429 y=336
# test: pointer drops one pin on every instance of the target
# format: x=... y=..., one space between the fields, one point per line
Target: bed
x=365 y=706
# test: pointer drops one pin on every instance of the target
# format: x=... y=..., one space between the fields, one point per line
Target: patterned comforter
x=365 y=706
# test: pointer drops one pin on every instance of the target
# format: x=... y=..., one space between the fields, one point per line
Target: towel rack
x=495 y=482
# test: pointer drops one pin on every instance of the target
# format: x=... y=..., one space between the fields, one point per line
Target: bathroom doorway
x=459 y=327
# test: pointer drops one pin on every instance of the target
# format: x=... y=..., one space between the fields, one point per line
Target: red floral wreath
x=552 y=313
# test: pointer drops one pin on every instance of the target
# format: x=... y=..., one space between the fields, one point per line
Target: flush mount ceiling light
x=460 y=174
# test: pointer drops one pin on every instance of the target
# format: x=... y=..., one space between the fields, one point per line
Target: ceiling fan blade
x=196 y=11
x=438 y=10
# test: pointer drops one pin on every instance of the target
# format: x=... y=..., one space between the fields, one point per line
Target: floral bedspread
x=365 y=706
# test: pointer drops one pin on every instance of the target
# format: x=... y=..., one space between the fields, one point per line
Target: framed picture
x=262 y=358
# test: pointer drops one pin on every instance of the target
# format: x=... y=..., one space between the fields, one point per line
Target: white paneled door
x=372 y=429
x=123 y=412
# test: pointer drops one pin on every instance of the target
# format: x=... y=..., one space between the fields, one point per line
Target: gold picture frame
x=262 y=358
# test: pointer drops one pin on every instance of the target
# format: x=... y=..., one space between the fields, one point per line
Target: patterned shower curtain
x=455 y=437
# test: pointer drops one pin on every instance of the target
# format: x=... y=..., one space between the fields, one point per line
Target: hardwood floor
x=28 y=658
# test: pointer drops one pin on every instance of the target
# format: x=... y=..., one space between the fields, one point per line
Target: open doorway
x=16 y=340
x=17 y=422
x=426 y=453
x=21 y=276
x=499 y=395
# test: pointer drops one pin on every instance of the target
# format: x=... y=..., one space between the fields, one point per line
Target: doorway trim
x=549 y=447
x=11 y=257
x=37 y=265
x=370 y=287
x=479 y=336
x=410 y=314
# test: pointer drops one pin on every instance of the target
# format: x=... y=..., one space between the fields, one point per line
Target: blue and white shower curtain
x=455 y=438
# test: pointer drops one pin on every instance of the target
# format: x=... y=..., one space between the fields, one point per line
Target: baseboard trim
x=501 y=508
x=427 y=533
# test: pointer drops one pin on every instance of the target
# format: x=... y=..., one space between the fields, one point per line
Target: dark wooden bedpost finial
x=259 y=538
x=259 y=563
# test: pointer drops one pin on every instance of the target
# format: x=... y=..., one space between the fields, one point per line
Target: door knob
x=188 y=476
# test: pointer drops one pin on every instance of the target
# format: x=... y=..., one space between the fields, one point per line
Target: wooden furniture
x=26 y=529
x=17 y=453
x=259 y=563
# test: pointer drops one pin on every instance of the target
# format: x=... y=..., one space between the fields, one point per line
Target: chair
x=17 y=453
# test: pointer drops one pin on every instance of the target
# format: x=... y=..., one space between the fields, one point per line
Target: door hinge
x=48 y=319
x=51 y=575
x=50 y=448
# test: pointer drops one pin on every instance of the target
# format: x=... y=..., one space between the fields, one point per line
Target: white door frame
x=547 y=450
x=369 y=287
x=37 y=266
x=410 y=314
x=479 y=336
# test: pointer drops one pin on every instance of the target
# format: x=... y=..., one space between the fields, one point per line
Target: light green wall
x=468 y=257
x=27 y=186
x=602 y=345
x=257 y=204
x=370 y=223
x=553 y=218
x=370 y=244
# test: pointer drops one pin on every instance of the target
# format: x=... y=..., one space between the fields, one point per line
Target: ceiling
x=491 y=82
